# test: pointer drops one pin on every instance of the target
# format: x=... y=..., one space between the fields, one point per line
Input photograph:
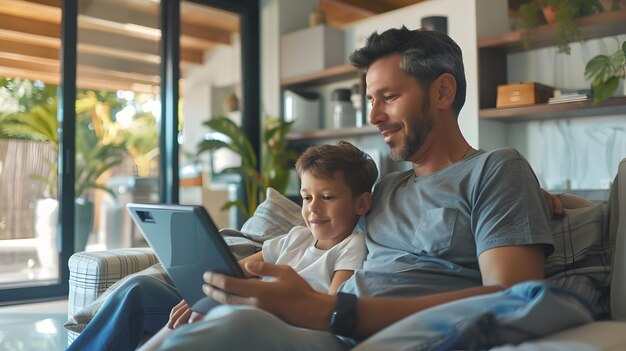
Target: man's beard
x=415 y=140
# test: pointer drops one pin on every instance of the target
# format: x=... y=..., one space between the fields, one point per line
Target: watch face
x=343 y=318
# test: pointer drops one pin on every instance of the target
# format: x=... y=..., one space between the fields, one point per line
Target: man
x=463 y=223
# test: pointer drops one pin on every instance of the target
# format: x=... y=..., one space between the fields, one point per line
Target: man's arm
x=290 y=297
x=500 y=268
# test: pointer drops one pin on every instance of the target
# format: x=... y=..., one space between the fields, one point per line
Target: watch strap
x=343 y=318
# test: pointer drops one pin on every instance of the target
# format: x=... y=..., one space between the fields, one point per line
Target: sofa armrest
x=91 y=273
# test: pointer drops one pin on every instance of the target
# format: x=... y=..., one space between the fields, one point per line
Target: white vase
x=46 y=223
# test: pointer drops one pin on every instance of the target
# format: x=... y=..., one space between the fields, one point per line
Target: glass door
x=118 y=109
x=29 y=143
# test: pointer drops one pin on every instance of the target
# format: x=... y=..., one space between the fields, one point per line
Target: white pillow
x=273 y=217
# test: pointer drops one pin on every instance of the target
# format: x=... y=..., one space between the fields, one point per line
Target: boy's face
x=329 y=209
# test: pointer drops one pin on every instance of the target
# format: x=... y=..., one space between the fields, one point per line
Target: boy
x=336 y=184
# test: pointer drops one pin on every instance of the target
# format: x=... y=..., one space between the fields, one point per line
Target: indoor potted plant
x=561 y=13
x=605 y=72
x=276 y=158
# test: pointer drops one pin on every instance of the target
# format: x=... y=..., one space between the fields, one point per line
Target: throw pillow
x=273 y=217
x=581 y=261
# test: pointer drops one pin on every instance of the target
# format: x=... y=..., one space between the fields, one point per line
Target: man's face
x=400 y=107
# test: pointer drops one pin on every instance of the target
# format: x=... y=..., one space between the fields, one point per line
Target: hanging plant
x=561 y=13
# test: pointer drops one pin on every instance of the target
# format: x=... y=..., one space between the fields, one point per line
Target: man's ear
x=444 y=90
x=363 y=203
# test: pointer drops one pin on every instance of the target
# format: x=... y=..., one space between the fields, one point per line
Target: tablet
x=187 y=243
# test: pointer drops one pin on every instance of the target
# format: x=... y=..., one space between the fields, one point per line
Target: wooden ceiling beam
x=38 y=65
x=84 y=82
x=32 y=64
x=32 y=10
x=28 y=31
x=205 y=33
x=374 y=7
x=29 y=50
x=84 y=58
x=30 y=26
x=129 y=22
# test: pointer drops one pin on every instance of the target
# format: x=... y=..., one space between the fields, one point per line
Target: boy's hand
x=181 y=314
x=288 y=296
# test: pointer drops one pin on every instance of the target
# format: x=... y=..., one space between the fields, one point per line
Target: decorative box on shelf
x=521 y=94
x=311 y=50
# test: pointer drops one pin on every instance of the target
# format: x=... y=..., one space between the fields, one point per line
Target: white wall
x=221 y=68
x=461 y=27
x=278 y=17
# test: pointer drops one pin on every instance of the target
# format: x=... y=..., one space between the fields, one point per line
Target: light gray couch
x=92 y=273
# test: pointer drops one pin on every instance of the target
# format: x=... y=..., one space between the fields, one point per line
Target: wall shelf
x=332 y=133
x=492 y=65
x=329 y=75
x=596 y=26
x=612 y=106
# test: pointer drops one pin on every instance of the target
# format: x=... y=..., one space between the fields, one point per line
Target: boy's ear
x=363 y=203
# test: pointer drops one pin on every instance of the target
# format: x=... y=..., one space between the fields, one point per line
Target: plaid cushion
x=92 y=273
x=581 y=260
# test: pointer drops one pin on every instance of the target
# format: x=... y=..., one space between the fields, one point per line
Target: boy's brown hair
x=357 y=167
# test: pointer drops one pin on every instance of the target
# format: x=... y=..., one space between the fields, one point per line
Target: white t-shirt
x=297 y=249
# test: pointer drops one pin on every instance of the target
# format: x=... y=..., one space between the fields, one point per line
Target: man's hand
x=288 y=296
x=181 y=314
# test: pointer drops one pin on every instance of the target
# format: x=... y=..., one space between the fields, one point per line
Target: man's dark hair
x=358 y=169
x=425 y=55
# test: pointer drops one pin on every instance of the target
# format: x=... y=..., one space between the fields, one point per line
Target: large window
x=119 y=140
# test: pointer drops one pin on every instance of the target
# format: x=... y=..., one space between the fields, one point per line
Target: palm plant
x=275 y=160
x=99 y=145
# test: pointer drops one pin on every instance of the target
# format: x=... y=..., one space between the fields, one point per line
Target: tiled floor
x=34 y=326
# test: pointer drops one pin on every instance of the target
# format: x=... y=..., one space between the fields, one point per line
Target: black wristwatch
x=343 y=319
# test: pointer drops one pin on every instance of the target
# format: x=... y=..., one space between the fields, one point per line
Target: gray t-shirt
x=424 y=234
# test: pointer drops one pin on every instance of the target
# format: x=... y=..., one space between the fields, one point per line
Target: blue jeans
x=526 y=311
x=138 y=307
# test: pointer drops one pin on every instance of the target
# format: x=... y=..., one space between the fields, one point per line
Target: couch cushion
x=581 y=261
x=593 y=336
x=91 y=273
x=79 y=320
x=273 y=217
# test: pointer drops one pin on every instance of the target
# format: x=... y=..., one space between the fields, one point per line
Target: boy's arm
x=257 y=257
x=339 y=277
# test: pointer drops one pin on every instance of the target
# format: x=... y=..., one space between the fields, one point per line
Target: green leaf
x=237 y=203
x=211 y=144
x=605 y=90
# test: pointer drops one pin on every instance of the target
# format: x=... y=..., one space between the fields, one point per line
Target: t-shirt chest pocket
x=434 y=230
